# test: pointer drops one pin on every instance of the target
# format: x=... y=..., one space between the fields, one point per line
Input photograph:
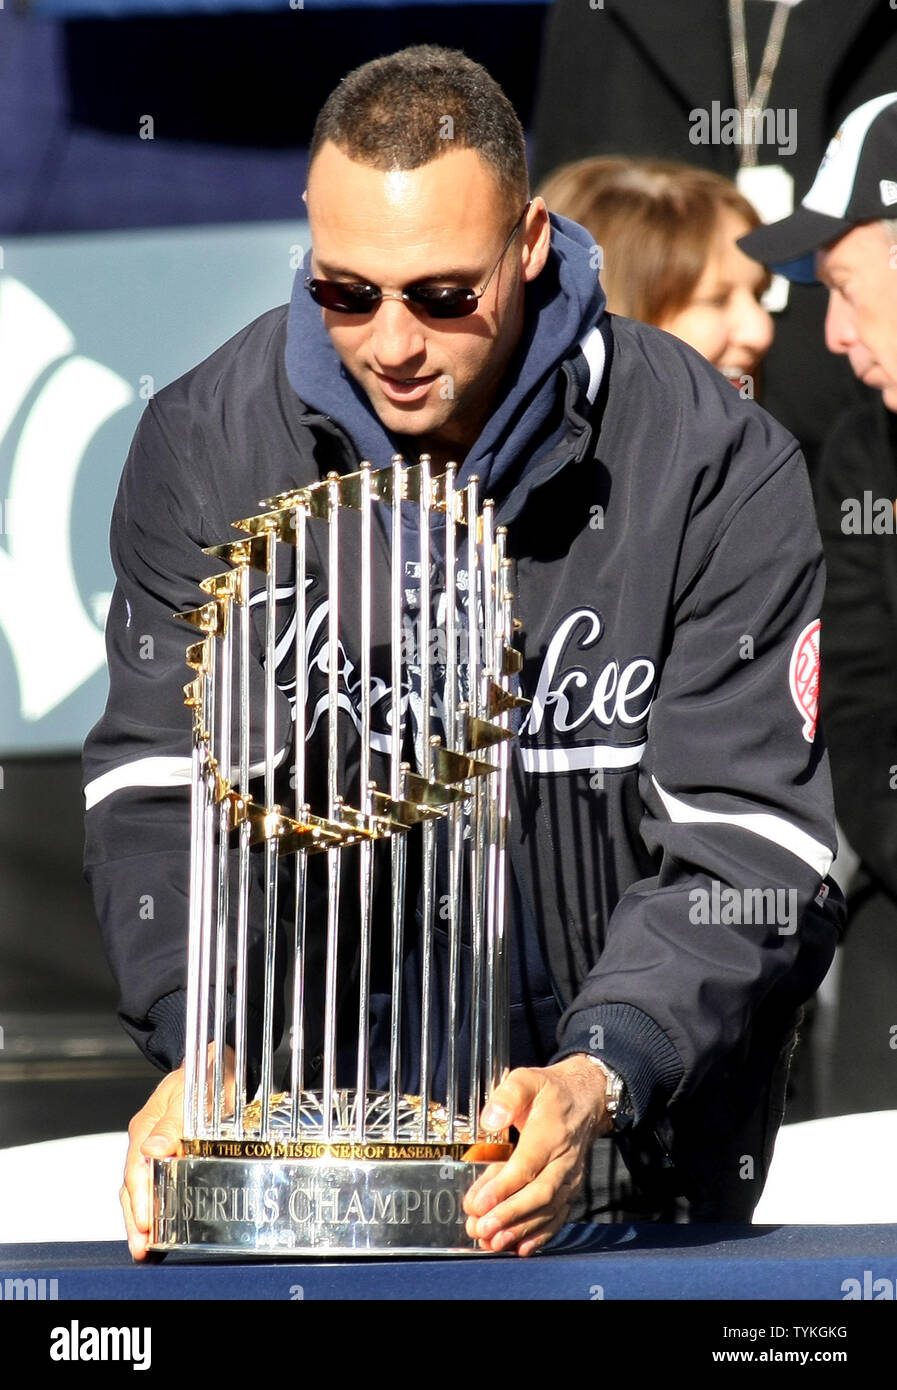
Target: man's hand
x=559 y=1111
x=155 y=1132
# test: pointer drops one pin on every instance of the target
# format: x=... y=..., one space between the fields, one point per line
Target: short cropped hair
x=408 y=108
x=655 y=220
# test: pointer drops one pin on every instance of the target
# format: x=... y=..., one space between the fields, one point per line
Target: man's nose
x=840 y=331
x=396 y=336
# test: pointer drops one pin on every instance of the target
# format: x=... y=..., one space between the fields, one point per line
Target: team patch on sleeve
x=803 y=677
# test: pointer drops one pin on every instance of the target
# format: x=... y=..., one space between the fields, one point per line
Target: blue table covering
x=587 y=1263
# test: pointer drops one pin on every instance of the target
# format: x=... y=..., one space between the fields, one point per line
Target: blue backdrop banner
x=90 y=328
x=120 y=9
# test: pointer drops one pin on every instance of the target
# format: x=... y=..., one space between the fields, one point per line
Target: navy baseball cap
x=856 y=182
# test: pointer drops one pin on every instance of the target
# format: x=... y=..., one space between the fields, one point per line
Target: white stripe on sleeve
x=153 y=772
x=144 y=772
x=774 y=828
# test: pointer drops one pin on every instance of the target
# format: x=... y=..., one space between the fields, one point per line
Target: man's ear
x=305 y=197
x=537 y=238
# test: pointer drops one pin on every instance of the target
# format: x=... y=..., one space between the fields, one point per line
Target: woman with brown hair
x=668 y=236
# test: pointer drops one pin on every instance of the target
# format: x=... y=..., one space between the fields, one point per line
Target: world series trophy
x=301 y=1148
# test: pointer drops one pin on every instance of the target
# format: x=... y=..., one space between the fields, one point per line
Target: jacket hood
x=558 y=363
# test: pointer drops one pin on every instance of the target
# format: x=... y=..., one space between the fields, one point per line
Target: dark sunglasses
x=439 y=301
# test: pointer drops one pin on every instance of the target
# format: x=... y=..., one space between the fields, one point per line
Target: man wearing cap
x=845 y=235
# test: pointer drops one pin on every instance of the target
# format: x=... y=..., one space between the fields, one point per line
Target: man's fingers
x=154 y=1132
x=510 y=1102
x=136 y=1199
x=537 y=1239
x=552 y=1189
x=137 y=1237
x=535 y=1230
x=539 y=1146
x=472 y=1194
x=527 y=1200
x=229 y=1075
x=539 y=1226
x=508 y=1105
x=510 y=1178
x=164 y=1139
x=139 y=1192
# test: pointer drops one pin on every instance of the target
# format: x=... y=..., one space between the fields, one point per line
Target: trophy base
x=288 y=1207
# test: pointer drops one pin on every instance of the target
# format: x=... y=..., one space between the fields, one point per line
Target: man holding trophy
x=669 y=825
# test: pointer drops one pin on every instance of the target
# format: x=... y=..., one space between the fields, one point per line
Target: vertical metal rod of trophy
x=366 y=849
x=450 y=719
x=333 y=855
x=398 y=846
x=207 y=842
x=267 y=1078
x=476 y=796
x=194 y=939
x=297 y=1021
x=487 y=823
x=240 y=982
x=502 y=981
x=225 y=691
x=427 y=768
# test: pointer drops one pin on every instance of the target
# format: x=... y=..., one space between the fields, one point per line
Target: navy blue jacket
x=669 y=580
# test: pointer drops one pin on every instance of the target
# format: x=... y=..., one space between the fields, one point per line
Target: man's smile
x=406 y=388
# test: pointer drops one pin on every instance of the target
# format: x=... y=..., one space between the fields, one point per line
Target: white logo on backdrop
x=55 y=642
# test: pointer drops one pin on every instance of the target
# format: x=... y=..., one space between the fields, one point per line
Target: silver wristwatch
x=616 y=1097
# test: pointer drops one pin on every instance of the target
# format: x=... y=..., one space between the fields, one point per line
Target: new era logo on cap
x=888 y=192
x=843 y=187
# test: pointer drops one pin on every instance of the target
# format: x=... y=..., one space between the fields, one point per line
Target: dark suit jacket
x=859 y=709
x=859 y=637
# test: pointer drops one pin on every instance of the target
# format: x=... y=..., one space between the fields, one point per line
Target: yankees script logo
x=567 y=698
